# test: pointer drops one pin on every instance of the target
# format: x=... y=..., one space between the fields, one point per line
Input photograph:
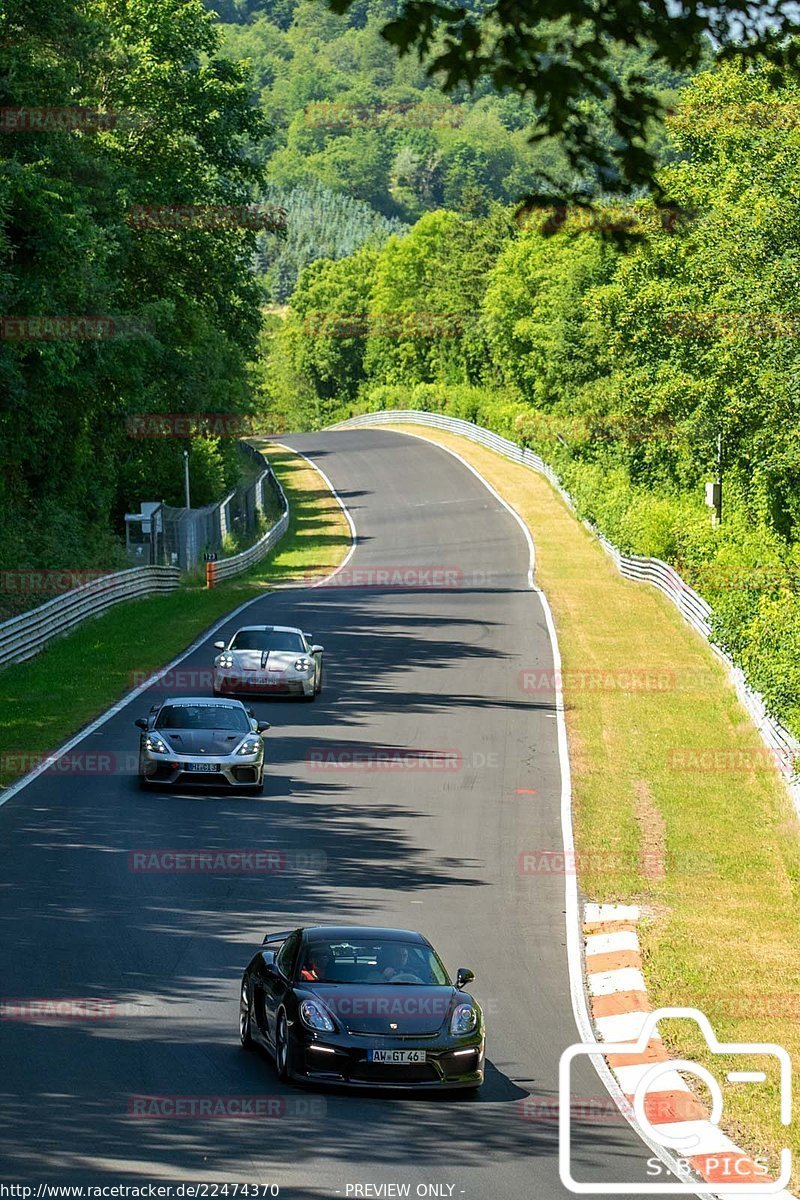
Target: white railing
x=227 y=568
x=23 y=636
x=784 y=746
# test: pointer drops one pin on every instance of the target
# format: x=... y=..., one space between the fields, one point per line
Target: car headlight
x=464 y=1020
x=250 y=745
x=224 y=660
x=303 y=664
x=156 y=744
x=315 y=1016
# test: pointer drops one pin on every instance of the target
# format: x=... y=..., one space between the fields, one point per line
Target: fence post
x=210 y=574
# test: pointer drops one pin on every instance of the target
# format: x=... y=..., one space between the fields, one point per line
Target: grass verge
x=46 y=700
x=677 y=806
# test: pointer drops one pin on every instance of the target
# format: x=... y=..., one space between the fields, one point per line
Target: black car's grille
x=187 y=778
x=365 y=1072
x=388 y=1039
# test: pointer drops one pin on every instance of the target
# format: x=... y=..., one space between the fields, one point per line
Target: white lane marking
x=624 y=979
x=572 y=909
x=14 y=788
x=611 y=943
x=746 y=1077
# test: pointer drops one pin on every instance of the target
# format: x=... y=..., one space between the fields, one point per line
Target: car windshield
x=202 y=716
x=268 y=639
x=377 y=960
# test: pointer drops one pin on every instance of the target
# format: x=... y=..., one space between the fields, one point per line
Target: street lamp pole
x=186 y=478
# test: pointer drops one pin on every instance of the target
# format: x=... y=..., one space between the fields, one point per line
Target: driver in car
x=317 y=965
x=395 y=965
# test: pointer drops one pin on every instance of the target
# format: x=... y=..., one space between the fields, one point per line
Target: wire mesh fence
x=162 y=534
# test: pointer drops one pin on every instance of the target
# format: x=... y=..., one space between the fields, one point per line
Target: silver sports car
x=269 y=659
x=201 y=741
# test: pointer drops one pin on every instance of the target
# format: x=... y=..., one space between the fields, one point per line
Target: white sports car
x=270 y=660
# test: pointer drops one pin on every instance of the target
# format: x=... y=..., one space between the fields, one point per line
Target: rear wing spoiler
x=276 y=937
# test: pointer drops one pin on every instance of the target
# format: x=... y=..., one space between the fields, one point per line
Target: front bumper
x=261 y=683
x=175 y=770
x=341 y=1059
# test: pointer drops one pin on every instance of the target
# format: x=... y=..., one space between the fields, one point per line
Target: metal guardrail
x=23 y=636
x=783 y=745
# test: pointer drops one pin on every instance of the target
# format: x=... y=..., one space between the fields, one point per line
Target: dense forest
x=108 y=110
x=624 y=366
x=352 y=122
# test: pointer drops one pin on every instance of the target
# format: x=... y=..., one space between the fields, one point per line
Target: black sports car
x=362 y=1007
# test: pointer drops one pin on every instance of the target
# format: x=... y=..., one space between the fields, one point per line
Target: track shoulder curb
x=619 y=1003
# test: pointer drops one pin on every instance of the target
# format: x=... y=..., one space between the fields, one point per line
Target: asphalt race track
x=433 y=671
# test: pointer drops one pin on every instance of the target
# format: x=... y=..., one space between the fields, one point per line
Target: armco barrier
x=784 y=745
x=23 y=636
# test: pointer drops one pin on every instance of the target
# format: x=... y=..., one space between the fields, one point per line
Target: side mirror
x=463 y=977
x=317 y=649
x=219 y=645
x=263 y=726
x=268 y=957
x=141 y=722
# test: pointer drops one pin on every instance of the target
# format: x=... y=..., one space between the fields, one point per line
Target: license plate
x=209 y=768
x=396 y=1056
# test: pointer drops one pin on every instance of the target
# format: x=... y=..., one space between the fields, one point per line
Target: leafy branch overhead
x=555 y=55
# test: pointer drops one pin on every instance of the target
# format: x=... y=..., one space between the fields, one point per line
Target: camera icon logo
x=678 y=1140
